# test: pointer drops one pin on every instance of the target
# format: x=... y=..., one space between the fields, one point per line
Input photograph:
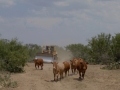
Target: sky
x=58 y=22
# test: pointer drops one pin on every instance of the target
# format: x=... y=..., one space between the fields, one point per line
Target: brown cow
x=58 y=69
x=38 y=62
x=74 y=65
x=67 y=67
x=81 y=67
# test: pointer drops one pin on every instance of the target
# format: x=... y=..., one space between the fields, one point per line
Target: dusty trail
x=95 y=79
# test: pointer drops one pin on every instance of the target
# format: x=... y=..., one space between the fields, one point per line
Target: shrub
x=112 y=66
x=13 y=55
x=5 y=81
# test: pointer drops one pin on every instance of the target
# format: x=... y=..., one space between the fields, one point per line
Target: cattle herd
x=77 y=65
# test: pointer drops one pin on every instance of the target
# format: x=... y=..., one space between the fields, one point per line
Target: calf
x=58 y=69
x=67 y=67
x=38 y=62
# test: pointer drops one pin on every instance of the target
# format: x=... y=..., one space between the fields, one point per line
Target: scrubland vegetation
x=103 y=49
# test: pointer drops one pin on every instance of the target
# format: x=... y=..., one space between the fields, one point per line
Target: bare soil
x=95 y=79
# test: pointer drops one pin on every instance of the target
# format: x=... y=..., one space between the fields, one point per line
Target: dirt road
x=95 y=79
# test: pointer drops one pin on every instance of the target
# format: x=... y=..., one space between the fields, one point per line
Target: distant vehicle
x=48 y=54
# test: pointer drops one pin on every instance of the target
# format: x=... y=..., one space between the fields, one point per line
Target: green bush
x=112 y=66
x=13 y=55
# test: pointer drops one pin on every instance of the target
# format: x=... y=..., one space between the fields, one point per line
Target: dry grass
x=95 y=79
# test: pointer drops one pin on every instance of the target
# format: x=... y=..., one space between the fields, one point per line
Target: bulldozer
x=48 y=54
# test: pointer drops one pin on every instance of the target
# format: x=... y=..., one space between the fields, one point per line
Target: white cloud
x=100 y=12
x=7 y=3
x=43 y=11
x=2 y=20
x=61 y=4
x=77 y=14
x=71 y=21
x=34 y=22
x=45 y=23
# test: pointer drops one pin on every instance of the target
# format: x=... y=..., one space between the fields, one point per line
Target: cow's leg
x=77 y=71
x=38 y=66
x=57 y=77
x=79 y=74
x=68 y=72
x=35 y=65
x=65 y=73
x=54 y=77
x=62 y=74
x=83 y=74
x=72 y=70
x=41 y=66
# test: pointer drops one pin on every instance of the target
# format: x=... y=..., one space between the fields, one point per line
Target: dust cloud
x=64 y=55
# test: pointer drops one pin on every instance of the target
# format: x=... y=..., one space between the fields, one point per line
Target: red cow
x=81 y=67
x=38 y=62
x=74 y=65
x=67 y=67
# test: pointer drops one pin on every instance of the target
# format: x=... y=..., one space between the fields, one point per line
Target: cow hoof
x=79 y=77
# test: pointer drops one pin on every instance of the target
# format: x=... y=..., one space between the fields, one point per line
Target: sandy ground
x=95 y=79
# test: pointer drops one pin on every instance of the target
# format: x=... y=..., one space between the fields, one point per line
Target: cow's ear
x=80 y=58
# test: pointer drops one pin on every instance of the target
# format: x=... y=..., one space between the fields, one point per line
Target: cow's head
x=35 y=59
x=55 y=67
x=54 y=64
x=73 y=62
x=83 y=65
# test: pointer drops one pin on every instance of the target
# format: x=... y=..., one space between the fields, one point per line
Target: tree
x=116 y=46
x=13 y=54
x=100 y=48
x=33 y=49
